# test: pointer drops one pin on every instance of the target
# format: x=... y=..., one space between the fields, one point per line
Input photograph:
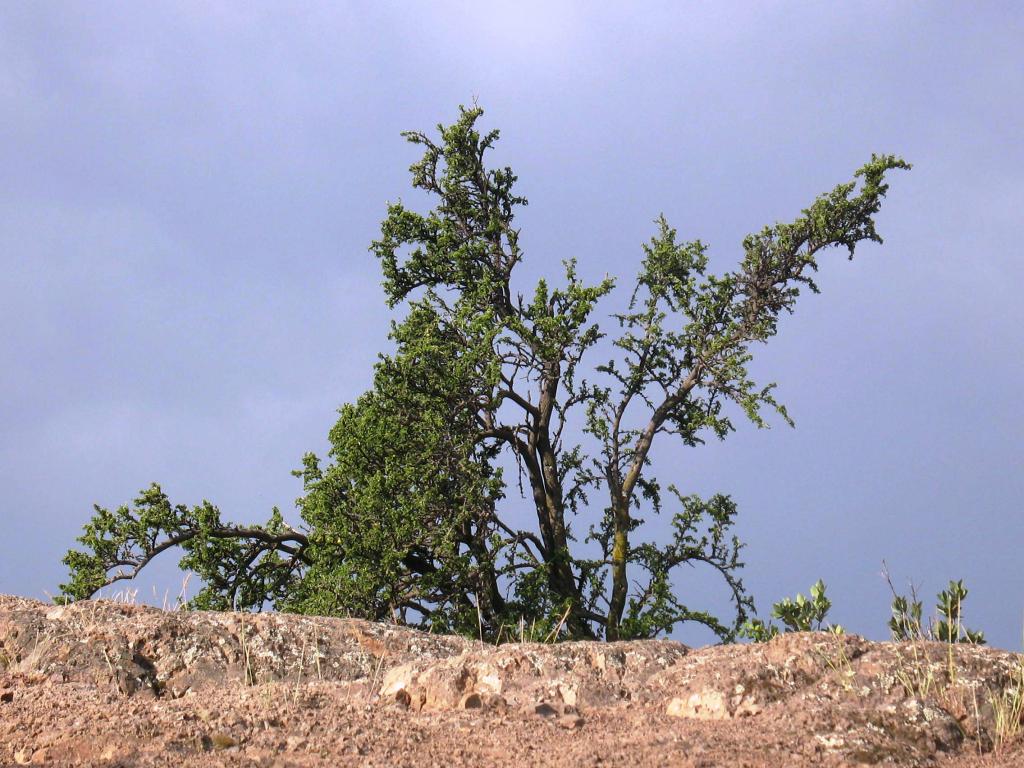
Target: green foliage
x=800 y=614
x=949 y=628
x=240 y=566
x=803 y=614
x=758 y=630
x=402 y=521
x=405 y=518
x=905 y=623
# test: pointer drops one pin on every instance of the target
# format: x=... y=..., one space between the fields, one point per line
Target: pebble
x=495 y=702
x=296 y=743
x=570 y=722
x=221 y=740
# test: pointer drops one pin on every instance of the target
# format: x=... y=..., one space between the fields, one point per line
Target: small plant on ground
x=924 y=676
x=906 y=624
x=250 y=673
x=799 y=614
x=949 y=628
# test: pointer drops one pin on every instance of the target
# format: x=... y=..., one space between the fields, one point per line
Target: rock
x=397 y=679
x=221 y=740
x=705 y=705
x=568 y=694
x=570 y=722
x=56 y=613
x=495 y=702
x=544 y=710
x=802 y=699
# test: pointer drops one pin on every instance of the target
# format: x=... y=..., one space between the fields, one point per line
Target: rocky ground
x=105 y=684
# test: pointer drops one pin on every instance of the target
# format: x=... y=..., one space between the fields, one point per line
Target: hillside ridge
x=104 y=683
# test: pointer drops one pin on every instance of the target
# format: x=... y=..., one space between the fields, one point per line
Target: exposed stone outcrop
x=815 y=698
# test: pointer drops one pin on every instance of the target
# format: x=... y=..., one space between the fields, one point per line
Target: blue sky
x=186 y=294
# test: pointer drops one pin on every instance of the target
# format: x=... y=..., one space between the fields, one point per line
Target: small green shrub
x=906 y=621
x=799 y=614
x=758 y=631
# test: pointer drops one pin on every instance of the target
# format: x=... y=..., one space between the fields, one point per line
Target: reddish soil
x=103 y=684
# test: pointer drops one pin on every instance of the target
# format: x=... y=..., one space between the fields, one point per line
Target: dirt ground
x=101 y=684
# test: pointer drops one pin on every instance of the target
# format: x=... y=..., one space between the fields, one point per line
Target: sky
x=189 y=191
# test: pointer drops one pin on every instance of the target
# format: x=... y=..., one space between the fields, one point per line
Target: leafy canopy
x=408 y=518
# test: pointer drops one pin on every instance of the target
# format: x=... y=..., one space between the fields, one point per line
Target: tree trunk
x=620 y=552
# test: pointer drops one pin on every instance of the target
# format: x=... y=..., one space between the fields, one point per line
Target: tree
x=406 y=520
